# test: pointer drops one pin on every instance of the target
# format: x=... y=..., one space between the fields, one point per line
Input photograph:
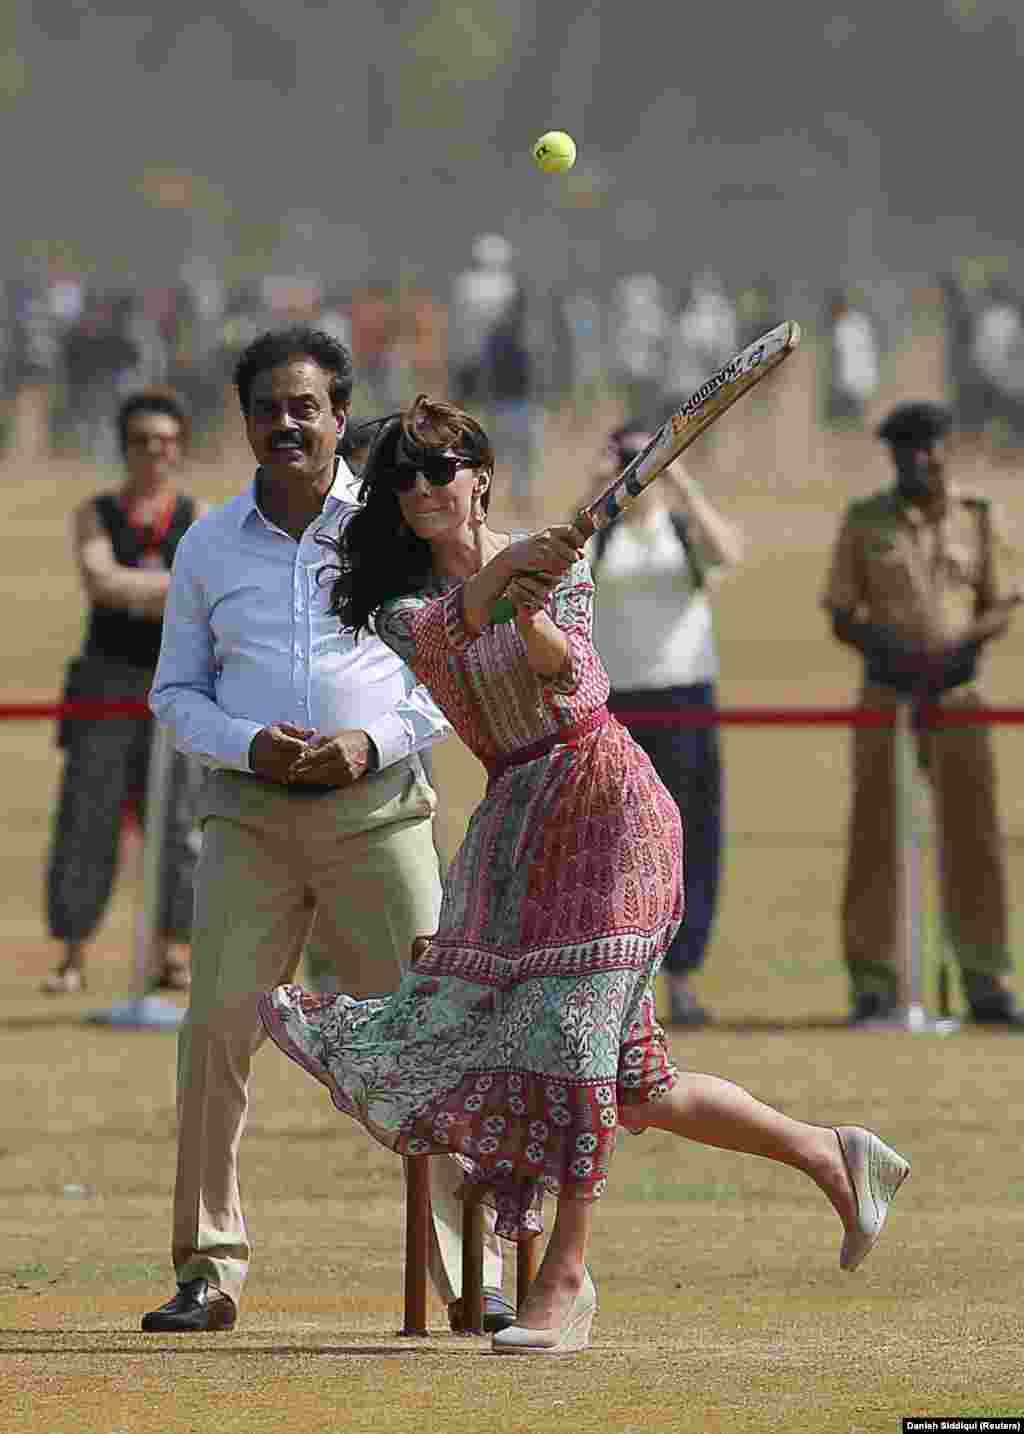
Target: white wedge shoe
x=572 y=1336
x=876 y=1172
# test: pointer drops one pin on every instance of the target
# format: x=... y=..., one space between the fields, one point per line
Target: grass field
x=722 y=1305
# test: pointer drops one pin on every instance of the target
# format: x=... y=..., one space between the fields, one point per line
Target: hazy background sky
x=876 y=145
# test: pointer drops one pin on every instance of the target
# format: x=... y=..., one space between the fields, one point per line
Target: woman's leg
x=713 y=1111
x=560 y=1276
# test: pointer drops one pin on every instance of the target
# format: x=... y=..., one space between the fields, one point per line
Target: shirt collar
x=915 y=515
x=342 y=492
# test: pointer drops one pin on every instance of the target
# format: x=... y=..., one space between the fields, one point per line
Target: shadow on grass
x=437 y=1342
x=762 y=1024
x=67 y=1019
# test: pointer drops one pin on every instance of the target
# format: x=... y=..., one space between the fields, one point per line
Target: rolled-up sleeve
x=184 y=689
x=412 y=725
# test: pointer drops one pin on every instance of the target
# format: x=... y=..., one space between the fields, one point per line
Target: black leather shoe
x=1000 y=1011
x=498 y=1314
x=196 y=1307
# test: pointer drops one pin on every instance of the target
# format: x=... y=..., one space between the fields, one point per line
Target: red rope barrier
x=930 y=715
x=29 y=711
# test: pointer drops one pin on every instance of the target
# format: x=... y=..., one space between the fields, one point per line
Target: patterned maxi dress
x=528 y=1019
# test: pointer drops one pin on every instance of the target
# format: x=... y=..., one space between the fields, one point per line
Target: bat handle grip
x=503 y=609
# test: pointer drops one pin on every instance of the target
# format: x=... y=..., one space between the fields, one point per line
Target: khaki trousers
x=958 y=764
x=362 y=861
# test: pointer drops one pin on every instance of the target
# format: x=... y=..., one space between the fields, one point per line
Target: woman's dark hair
x=154 y=400
x=379 y=556
x=300 y=341
x=357 y=438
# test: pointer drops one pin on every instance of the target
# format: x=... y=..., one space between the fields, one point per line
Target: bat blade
x=697 y=414
x=682 y=428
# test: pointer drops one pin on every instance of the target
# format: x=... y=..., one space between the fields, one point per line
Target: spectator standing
x=653 y=628
x=374 y=331
x=640 y=337
x=703 y=337
x=35 y=363
x=997 y=352
x=757 y=310
x=124 y=545
x=919 y=586
x=508 y=392
x=334 y=318
x=968 y=389
x=256 y=678
x=481 y=294
x=98 y=354
x=584 y=321
x=853 y=362
x=422 y=339
x=142 y=331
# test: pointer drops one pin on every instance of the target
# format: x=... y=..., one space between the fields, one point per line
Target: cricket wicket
x=418 y=1216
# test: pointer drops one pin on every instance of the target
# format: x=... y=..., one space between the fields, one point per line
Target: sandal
x=65 y=981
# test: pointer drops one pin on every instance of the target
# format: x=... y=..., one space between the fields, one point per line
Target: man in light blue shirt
x=316 y=804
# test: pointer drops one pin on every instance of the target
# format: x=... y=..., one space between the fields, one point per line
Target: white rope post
x=158 y=797
x=907 y=814
x=145 y=1010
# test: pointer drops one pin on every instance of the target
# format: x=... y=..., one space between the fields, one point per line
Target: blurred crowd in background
x=494 y=341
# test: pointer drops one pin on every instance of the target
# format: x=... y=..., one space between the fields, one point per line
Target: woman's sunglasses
x=439 y=469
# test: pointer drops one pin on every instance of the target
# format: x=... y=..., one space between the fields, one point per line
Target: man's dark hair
x=153 y=400
x=300 y=341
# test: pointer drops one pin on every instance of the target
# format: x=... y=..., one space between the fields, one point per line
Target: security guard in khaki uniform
x=918 y=585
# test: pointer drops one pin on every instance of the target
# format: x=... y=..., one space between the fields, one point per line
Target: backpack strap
x=680 y=527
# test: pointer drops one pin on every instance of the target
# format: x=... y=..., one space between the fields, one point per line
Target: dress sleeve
x=425 y=631
x=571 y=607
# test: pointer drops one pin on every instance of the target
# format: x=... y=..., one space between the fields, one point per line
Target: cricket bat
x=699 y=412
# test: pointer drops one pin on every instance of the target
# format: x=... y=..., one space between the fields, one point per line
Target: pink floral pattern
x=527 y=1020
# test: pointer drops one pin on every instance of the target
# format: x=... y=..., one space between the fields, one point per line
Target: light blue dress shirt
x=248 y=642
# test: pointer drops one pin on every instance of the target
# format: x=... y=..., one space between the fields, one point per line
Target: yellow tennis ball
x=555 y=152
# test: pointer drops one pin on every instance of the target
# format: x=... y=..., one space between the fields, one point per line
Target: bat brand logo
x=725 y=375
x=733 y=370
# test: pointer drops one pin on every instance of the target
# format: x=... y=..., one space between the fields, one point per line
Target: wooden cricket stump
x=418 y=1216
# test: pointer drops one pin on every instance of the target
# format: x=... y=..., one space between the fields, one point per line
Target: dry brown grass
x=722 y=1305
